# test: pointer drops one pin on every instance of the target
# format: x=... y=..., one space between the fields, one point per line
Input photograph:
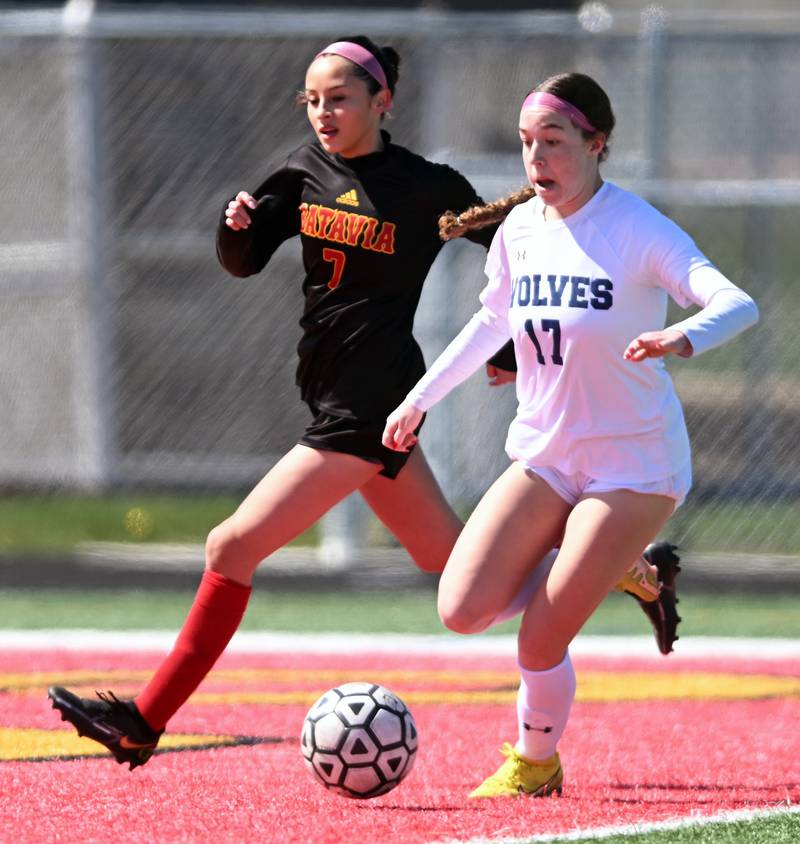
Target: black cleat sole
x=662 y=613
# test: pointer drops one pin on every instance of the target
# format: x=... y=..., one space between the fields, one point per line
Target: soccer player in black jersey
x=367 y=214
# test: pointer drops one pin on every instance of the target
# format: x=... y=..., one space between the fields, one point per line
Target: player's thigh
x=413 y=507
x=301 y=487
x=604 y=532
x=518 y=520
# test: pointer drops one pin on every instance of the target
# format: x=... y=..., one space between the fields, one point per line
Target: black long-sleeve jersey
x=369 y=233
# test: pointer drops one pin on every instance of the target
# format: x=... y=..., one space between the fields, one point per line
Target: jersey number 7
x=337 y=257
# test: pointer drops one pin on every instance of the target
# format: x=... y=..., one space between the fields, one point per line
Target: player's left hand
x=498 y=376
x=398 y=434
x=658 y=344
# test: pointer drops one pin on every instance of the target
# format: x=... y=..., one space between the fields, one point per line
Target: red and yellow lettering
x=336 y=231
x=369 y=232
x=337 y=257
x=355 y=228
x=346 y=227
x=324 y=217
x=311 y=221
x=385 y=240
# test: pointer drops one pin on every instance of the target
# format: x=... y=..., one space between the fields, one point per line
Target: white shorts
x=572 y=487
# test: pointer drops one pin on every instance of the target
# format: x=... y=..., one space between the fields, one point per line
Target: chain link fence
x=132 y=360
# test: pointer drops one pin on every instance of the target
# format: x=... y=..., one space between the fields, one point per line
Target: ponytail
x=453 y=225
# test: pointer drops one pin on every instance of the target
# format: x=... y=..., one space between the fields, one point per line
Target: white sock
x=543 y=704
x=529 y=587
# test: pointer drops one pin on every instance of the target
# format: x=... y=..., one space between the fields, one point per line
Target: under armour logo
x=521 y=254
x=538 y=729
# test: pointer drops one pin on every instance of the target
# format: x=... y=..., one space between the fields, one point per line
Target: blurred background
x=143 y=391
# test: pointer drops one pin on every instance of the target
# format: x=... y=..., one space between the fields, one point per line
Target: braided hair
x=453 y=225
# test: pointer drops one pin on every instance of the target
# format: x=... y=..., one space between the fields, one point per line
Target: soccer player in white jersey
x=579 y=274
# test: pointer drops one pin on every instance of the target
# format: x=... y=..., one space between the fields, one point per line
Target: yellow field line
x=459 y=687
x=37 y=744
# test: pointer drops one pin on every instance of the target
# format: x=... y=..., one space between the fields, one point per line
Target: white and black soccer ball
x=359 y=740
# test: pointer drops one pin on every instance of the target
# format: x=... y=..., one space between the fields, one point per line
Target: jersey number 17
x=552 y=327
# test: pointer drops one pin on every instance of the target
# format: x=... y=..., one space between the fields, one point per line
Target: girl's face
x=344 y=115
x=561 y=165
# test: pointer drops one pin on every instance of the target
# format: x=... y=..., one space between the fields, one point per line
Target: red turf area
x=625 y=762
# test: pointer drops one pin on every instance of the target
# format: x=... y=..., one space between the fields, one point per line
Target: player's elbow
x=235 y=265
x=752 y=311
x=238 y=271
x=744 y=306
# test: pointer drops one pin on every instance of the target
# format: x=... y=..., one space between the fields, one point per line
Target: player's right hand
x=237 y=214
x=398 y=434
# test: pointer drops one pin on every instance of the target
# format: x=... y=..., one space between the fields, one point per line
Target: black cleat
x=116 y=724
x=662 y=612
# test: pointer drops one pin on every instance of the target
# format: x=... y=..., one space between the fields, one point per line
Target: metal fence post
x=652 y=46
x=88 y=238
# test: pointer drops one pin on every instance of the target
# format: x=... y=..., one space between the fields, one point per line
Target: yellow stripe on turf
x=451 y=686
x=593 y=687
x=21 y=744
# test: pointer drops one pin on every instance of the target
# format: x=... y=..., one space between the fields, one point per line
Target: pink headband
x=358 y=55
x=539 y=99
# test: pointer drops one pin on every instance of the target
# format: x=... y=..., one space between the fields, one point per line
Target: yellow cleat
x=518 y=775
x=641 y=581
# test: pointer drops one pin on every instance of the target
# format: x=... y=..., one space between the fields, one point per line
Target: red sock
x=215 y=614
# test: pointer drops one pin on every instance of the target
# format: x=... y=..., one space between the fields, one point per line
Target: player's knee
x=461 y=616
x=430 y=562
x=540 y=649
x=226 y=552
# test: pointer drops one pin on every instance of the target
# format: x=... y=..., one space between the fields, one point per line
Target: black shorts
x=361 y=438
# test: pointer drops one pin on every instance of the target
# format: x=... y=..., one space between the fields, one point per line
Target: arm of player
x=457 y=193
x=480 y=338
x=400 y=426
x=727 y=311
x=658 y=344
x=678 y=266
x=237 y=214
x=501 y=368
x=252 y=226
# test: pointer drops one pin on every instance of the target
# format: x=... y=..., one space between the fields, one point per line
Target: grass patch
x=718 y=527
x=780 y=829
x=56 y=524
x=49 y=524
x=372 y=612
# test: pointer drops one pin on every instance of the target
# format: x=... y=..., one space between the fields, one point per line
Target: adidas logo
x=349 y=197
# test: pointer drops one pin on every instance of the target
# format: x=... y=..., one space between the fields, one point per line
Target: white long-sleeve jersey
x=572 y=294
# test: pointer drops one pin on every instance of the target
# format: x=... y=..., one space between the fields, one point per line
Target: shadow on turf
x=693 y=793
x=396 y=808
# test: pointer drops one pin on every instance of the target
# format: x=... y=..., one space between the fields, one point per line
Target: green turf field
x=36 y=524
x=40 y=524
x=781 y=829
x=369 y=612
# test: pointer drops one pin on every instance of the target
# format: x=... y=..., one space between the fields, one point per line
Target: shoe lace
x=508 y=749
x=112 y=700
x=513 y=760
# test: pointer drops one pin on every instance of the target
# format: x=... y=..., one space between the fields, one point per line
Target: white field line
x=637 y=829
x=688 y=648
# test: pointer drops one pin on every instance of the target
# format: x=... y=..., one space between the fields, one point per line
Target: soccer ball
x=359 y=740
